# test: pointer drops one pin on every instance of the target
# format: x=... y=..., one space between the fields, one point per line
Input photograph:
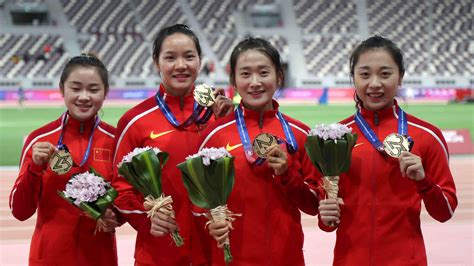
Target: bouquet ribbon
x=218 y=214
x=331 y=186
x=162 y=204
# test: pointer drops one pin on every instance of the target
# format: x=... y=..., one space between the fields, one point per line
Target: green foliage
x=16 y=123
x=208 y=186
x=331 y=157
x=144 y=172
x=97 y=208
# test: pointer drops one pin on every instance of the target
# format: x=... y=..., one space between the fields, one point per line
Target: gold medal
x=394 y=144
x=261 y=144
x=61 y=162
x=204 y=96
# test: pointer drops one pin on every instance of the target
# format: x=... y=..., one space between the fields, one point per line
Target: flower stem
x=178 y=240
x=227 y=254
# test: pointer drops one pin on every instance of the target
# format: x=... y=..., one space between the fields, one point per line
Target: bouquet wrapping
x=142 y=168
x=89 y=192
x=329 y=148
x=209 y=179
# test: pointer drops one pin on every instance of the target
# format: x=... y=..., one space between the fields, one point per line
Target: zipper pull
x=376 y=119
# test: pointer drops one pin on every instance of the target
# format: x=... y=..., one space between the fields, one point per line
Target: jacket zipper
x=268 y=233
x=374 y=194
x=260 y=121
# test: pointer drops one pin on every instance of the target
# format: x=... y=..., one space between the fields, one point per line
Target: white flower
x=208 y=154
x=85 y=187
x=333 y=131
x=128 y=158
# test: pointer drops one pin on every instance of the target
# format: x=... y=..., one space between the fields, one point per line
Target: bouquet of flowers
x=209 y=178
x=330 y=148
x=142 y=169
x=89 y=192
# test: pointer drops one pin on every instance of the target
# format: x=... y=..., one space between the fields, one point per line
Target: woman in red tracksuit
x=65 y=235
x=378 y=219
x=268 y=194
x=165 y=121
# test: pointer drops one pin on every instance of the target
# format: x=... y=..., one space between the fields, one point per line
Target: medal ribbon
x=197 y=110
x=291 y=144
x=370 y=135
x=62 y=146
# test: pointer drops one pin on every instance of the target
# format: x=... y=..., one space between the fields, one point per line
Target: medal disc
x=261 y=144
x=204 y=96
x=394 y=144
x=61 y=162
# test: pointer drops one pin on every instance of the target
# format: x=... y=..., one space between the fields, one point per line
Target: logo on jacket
x=229 y=147
x=104 y=155
x=154 y=136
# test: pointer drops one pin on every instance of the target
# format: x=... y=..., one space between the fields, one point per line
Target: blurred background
x=315 y=39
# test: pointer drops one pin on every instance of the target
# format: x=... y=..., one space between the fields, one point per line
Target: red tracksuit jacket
x=269 y=232
x=380 y=220
x=64 y=235
x=145 y=125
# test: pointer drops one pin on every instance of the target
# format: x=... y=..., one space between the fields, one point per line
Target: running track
x=450 y=243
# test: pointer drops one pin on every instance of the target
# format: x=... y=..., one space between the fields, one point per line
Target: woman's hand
x=277 y=159
x=162 y=224
x=223 y=105
x=42 y=152
x=411 y=166
x=110 y=221
x=329 y=211
x=220 y=231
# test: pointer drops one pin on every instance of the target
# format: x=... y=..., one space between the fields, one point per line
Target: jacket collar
x=248 y=113
x=79 y=126
x=171 y=99
x=380 y=114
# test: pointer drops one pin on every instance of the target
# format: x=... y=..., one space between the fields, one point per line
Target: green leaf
x=128 y=172
x=102 y=203
x=97 y=208
x=225 y=170
x=208 y=186
x=351 y=141
x=68 y=199
x=192 y=172
x=150 y=170
x=331 y=157
x=314 y=150
x=92 y=170
x=144 y=172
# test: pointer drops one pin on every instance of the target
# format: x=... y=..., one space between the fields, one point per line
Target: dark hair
x=85 y=60
x=374 y=42
x=261 y=45
x=378 y=41
x=165 y=32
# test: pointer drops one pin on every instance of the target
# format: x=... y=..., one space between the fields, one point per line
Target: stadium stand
x=315 y=38
x=336 y=16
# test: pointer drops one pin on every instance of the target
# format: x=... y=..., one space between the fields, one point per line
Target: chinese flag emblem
x=102 y=155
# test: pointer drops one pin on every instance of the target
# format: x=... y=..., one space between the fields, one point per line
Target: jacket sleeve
x=129 y=201
x=300 y=182
x=26 y=191
x=437 y=189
